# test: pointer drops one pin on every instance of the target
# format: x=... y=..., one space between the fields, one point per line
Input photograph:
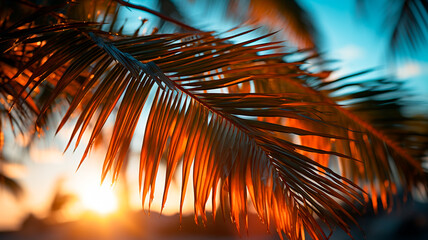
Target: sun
x=100 y=199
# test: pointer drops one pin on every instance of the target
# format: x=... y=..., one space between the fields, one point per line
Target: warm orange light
x=100 y=199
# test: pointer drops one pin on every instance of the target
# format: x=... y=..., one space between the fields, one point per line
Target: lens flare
x=100 y=199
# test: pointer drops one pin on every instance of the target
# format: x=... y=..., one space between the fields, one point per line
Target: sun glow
x=100 y=199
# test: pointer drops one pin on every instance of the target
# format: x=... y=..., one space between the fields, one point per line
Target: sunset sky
x=357 y=42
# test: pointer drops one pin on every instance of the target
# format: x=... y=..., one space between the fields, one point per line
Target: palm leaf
x=191 y=125
x=232 y=114
x=11 y=184
x=407 y=23
x=158 y=14
x=389 y=140
x=169 y=8
x=288 y=16
x=22 y=116
x=296 y=22
x=379 y=144
x=410 y=27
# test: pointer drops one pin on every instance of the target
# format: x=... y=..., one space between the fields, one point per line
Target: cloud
x=408 y=70
x=350 y=52
x=13 y=170
x=46 y=155
x=22 y=140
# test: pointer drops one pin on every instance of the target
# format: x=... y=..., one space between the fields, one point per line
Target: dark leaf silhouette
x=410 y=25
x=11 y=184
x=407 y=23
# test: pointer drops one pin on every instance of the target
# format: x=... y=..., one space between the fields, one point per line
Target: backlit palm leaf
x=20 y=38
x=246 y=122
x=289 y=16
x=385 y=138
x=231 y=153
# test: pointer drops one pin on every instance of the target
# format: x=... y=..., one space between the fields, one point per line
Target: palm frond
x=388 y=140
x=158 y=14
x=20 y=118
x=169 y=8
x=11 y=184
x=194 y=126
x=407 y=23
x=19 y=40
x=388 y=152
x=60 y=199
x=410 y=29
x=289 y=15
x=249 y=124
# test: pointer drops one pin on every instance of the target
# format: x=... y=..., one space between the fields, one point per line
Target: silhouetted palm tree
x=254 y=125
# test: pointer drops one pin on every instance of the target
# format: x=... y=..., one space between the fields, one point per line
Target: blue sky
x=357 y=41
x=361 y=42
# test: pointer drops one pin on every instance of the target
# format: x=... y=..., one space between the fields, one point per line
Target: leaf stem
x=169 y=19
x=227 y=117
